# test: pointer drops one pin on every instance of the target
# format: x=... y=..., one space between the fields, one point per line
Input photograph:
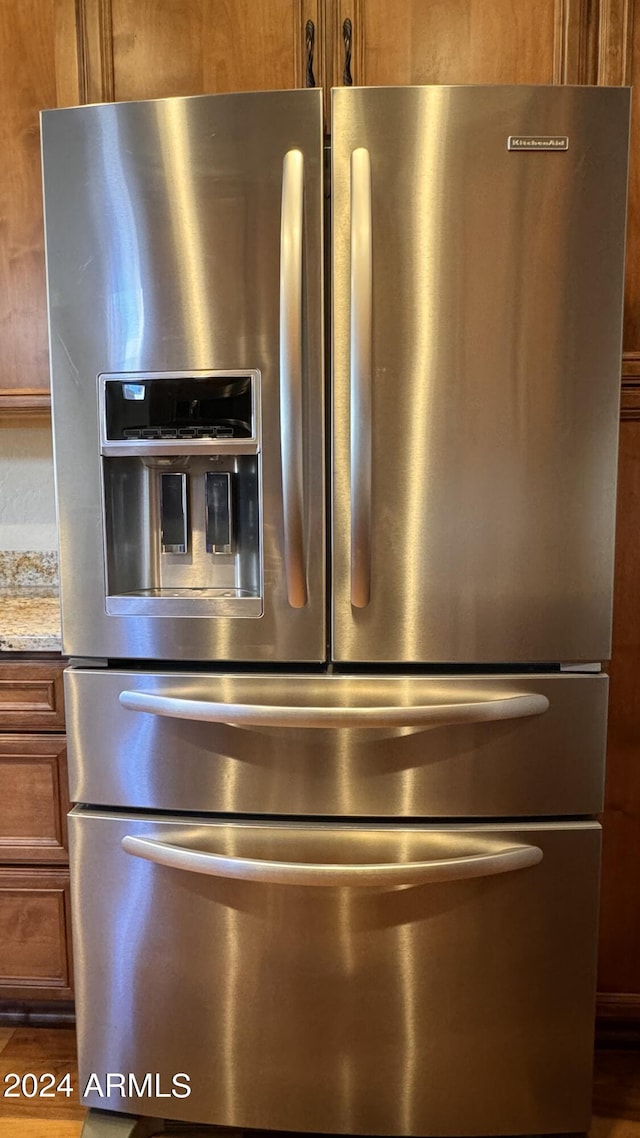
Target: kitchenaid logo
x=537 y=142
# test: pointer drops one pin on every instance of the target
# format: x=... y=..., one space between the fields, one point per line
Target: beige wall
x=27 y=510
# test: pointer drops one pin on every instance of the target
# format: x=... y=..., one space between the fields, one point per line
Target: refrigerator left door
x=184 y=244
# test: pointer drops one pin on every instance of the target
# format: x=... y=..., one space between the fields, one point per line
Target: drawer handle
x=264 y=715
x=490 y=860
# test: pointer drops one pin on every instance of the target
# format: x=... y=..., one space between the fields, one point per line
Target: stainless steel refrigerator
x=336 y=591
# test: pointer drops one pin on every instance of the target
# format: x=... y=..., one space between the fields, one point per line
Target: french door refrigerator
x=335 y=709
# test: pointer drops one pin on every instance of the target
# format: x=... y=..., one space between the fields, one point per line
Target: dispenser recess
x=182 y=493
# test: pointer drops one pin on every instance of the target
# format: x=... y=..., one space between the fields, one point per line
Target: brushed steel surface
x=457 y=1008
x=489 y=859
x=163 y=255
x=497 y=302
x=544 y=764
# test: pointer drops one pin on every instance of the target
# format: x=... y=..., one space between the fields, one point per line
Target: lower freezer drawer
x=370 y=979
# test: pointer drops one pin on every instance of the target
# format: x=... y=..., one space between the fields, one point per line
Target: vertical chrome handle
x=291 y=419
x=360 y=376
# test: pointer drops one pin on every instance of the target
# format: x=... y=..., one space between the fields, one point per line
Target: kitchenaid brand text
x=537 y=142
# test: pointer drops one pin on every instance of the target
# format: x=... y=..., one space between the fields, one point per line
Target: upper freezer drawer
x=459 y=746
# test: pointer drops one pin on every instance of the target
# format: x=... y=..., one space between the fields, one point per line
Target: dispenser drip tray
x=196 y=602
x=191 y=592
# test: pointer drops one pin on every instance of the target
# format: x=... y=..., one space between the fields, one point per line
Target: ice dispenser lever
x=219 y=514
x=174 y=513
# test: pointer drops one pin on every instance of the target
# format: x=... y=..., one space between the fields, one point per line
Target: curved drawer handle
x=486 y=863
x=291 y=417
x=264 y=715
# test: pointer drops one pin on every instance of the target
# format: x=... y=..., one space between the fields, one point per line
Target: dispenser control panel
x=174 y=411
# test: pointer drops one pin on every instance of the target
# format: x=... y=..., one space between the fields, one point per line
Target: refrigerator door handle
x=491 y=858
x=265 y=715
x=361 y=353
x=291 y=418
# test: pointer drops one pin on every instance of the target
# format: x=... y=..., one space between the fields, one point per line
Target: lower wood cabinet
x=35 y=935
x=33 y=799
x=35 y=916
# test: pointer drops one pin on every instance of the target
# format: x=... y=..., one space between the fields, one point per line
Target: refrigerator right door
x=478 y=280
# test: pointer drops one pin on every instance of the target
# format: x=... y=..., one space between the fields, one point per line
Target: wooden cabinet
x=464 y=41
x=619 y=965
x=35 y=935
x=33 y=799
x=39 y=69
x=35 y=929
x=189 y=47
x=31 y=696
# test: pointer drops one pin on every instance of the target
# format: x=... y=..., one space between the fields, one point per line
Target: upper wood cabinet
x=39 y=69
x=147 y=49
x=464 y=41
x=625 y=68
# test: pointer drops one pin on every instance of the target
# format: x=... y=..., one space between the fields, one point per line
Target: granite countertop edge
x=30 y=620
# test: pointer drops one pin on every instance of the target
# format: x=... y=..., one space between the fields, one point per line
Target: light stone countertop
x=30 y=620
x=29 y=602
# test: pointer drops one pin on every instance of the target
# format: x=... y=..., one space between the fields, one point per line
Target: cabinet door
x=624 y=67
x=463 y=41
x=35 y=935
x=193 y=47
x=39 y=69
x=31 y=695
x=33 y=798
x=619 y=966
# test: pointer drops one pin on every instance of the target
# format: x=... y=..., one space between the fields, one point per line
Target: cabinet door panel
x=31 y=696
x=33 y=798
x=35 y=935
x=466 y=41
x=39 y=69
x=619 y=969
x=193 y=47
x=631 y=338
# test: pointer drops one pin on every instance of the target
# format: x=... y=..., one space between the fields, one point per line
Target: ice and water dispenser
x=181 y=474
